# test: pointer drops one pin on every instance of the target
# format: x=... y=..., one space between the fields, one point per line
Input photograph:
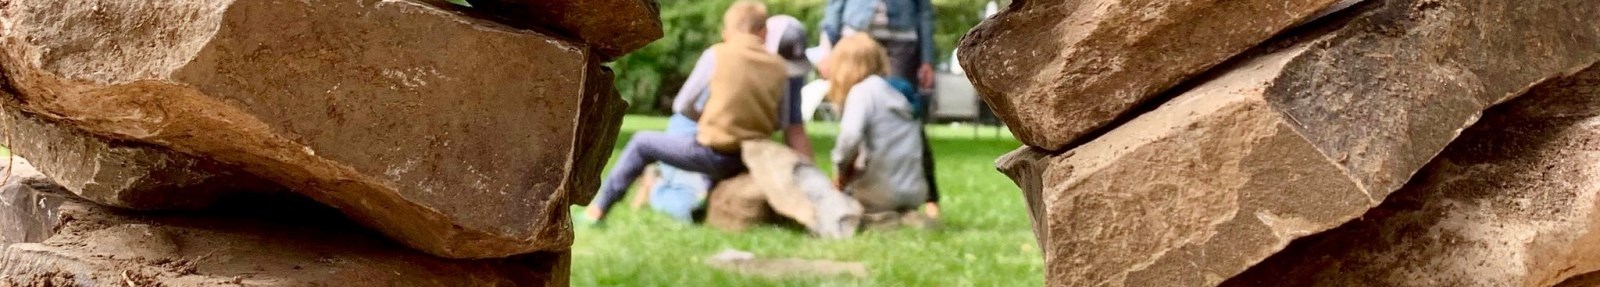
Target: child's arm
x=852 y=132
x=697 y=84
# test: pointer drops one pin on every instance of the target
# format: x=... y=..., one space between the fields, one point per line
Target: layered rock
x=89 y=245
x=1026 y=166
x=799 y=191
x=1292 y=142
x=1514 y=202
x=599 y=121
x=28 y=203
x=611 y=27
x=121 y=173
x=1055 y=71
x=452 y=135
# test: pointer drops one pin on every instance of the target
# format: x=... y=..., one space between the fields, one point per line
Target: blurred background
x=984 y=237
x=648 y=78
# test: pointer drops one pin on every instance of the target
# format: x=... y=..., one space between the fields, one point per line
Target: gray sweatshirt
x=878 y=132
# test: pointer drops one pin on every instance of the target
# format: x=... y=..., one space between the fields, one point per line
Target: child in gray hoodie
x=878 y=153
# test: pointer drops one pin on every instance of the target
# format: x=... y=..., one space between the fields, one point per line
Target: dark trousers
x=905 y=57
x=677 y=150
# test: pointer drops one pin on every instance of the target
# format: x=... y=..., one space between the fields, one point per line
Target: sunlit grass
x=985 y=240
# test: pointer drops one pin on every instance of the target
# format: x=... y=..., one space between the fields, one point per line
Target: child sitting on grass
x=879 y=150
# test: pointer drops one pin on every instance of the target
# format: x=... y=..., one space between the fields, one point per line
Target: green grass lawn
x=985 y=239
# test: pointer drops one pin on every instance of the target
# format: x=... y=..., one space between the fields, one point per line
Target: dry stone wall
x=1301 y=135
x=436 y=144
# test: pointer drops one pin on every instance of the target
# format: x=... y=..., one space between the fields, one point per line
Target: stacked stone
x=463 y=133
x=1183 y=143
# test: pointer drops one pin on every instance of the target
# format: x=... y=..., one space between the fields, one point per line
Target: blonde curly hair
x=853 y=59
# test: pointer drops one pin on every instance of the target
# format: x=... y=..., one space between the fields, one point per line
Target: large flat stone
x=611 y=27
x=799 y=191
x=289 y=243
x=1293 y=142
x=1055 y=71
x=1514 y=202
x=120 y=173
x=450 y=134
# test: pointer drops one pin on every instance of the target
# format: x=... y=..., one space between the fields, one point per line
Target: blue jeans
x=677 y=150
x=678 y=192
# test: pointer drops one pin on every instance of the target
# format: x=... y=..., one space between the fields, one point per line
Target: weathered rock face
x=1026 y=167
x=28 y=201
x=800 y=191
x=1586 y=280
x=409 y=119
x=611 y=27
x=90 y=245
x=599 y=121
x=121 y=173
x=1293 y=142
x=1057 y=70
x=736 y=204
x=1514 y=202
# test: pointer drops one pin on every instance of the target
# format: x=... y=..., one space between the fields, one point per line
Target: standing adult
x=903 y=27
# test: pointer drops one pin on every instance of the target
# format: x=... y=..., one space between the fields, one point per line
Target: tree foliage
x=648 y=78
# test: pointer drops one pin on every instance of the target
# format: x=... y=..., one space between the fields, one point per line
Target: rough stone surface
x=121 y=173
x=1025 y=166
x=1514 y=202
x=612 y=27
x=1055 y=71
x=736 y=204
x=291 y=243
x=26 y=213
x=406 y=117
x=1294 y=142
x=1590 y=279
x=800 y=191
x=599 y=121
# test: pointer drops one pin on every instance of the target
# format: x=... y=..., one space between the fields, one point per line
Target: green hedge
x=649 y=78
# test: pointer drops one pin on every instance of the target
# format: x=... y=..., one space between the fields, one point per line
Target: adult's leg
x=651 y=147
x=904 y=58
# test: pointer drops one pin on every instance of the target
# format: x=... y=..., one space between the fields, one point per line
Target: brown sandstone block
x=612 y=27
x=599 y=121
x=1056 y=70
x=293 y=243
x=124 y=174
x=452 y=135
x=1293 y=142
x=27 y=198
x=1514 y=202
